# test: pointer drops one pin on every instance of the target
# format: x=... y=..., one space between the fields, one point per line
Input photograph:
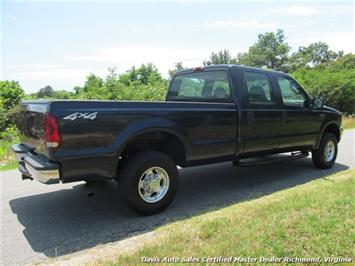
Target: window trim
x=192 y=99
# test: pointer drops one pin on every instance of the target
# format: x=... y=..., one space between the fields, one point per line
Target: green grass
x=348 y=122
x=9 y=165
x=7 y=157
x=311 y=220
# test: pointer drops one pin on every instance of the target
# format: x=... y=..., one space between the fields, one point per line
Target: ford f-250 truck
x=212 y=114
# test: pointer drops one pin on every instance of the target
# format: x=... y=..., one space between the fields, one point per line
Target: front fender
x=324 y=126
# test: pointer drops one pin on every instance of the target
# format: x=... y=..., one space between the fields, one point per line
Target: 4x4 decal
x=74 y=116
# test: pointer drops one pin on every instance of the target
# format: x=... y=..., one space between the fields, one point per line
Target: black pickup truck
x=212 y=114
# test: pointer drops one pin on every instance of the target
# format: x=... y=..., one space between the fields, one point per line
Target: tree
x=148 y=72
x=93 y=83
x=178 y=66
x=45 y=92
x=63 y=94
x=221 y=57
x=10 y=96
x=141 y=75
x=270 y=51
x=313 y=55
x=112 y=88
x=77 y=90
x=92 y=89
x=333 y=81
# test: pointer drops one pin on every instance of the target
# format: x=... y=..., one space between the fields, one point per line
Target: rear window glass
x=200 y=86
x=259 y=88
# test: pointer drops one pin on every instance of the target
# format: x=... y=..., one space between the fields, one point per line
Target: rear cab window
x=259 y=88
x=207 y=86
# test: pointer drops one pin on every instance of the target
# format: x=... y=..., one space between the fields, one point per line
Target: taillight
x=51 y=131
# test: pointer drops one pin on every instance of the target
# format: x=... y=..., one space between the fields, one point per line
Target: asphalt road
x=40 y=221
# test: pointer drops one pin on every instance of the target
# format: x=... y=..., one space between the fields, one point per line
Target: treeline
x=142 y=83
x=334 y=81
x=321 y=71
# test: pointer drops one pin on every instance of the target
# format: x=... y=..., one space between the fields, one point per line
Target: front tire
x=148 y=182
x=324 y=157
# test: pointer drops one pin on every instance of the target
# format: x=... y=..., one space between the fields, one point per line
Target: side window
x=259 y=88
x=291 y=92
x=200 y=86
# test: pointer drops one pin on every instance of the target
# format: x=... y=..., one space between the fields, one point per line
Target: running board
x=293 y=156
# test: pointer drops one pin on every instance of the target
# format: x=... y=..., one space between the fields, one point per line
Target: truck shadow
x=70 y=220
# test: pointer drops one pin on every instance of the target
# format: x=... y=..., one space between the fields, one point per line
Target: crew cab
x=211 y=114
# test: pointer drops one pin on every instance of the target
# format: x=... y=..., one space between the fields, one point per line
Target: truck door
x=261 y=113
x=300 y=125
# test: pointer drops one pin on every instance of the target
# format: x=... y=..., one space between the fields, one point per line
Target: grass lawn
x=7 y=157
x=348 y=122
x=13 y=164
x=311 y=220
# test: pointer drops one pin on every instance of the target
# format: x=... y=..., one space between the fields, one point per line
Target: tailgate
x=31 y=124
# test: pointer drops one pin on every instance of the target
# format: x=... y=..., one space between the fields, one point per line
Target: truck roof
x=225 y=66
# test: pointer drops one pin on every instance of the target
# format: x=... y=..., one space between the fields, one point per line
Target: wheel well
x=157 y=141
x=333 y=128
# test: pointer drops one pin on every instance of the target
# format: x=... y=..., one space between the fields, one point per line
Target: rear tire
x=324 y=157
x=148 y=182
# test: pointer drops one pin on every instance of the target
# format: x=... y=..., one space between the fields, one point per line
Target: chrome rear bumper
x=32 y=165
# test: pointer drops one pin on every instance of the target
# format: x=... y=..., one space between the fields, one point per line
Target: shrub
x=10 y=96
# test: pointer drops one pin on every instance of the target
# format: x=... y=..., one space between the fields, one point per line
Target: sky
x=59 y=44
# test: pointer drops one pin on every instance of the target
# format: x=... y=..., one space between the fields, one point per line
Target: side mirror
x=317 y=103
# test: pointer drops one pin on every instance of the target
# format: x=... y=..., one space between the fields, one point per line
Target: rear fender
x=149 y=125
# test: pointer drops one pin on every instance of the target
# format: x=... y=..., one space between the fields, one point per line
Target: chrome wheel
x=153 y=184
x=329 y=151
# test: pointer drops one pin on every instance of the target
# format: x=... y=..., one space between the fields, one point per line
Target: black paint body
x=209 y=131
